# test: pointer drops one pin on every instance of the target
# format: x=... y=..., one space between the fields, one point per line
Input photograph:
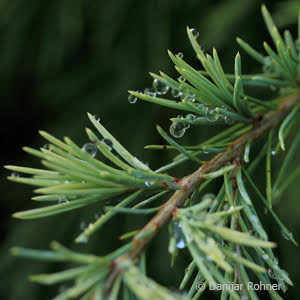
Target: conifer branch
x=191 y=182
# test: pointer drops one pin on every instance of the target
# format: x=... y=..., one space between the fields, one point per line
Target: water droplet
x=195 y=33
x=177 y=129
x=132 y=99
x=83 y=225
x=265 y=257
x=179 y=238
x=62 y=288
x=208 y=257
x=175 y=93
x=108 y=143
x=90 y=148
x=62 y=199
x=96 y=117
x=231 y=208
x=181 y=78
x=211 y=114
x=47 y=147
x=147 y=184
x=15 y=174
x=271 y=273
x=273 y=152
x=190 y=97
x=160 y=87
x=180 y=54
x=150 y=92
x=82 y=239
x=190 y=117
x=285 y=235
x=97 y=216
x=268 y=65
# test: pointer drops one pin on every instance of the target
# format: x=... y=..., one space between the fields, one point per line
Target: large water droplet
x=195 y=33
x=159 y=87
x=175 y=93
x=177 y=129
x=211 y=114
x=90 y=148
x=132 y=99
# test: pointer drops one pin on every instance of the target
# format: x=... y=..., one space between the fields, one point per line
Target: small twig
x=192 y=181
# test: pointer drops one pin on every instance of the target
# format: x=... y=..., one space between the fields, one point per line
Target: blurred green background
x=60 y=59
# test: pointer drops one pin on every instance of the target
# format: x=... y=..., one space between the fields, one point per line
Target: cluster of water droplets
x=158 y=88
x=271 y=272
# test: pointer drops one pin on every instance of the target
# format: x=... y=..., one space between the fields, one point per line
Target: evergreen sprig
x=224 y=235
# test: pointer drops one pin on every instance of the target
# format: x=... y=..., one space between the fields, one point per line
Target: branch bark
x=192 y=181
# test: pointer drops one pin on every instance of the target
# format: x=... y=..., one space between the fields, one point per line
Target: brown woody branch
x=191 y=182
